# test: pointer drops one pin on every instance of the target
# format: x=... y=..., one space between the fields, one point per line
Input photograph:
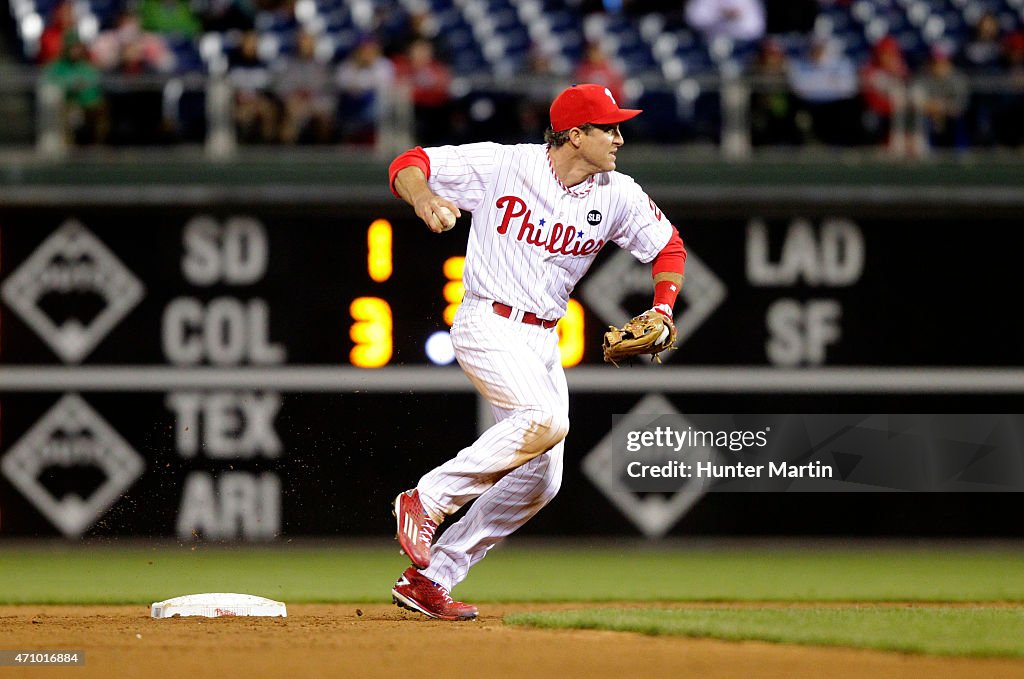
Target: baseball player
x=541 y=213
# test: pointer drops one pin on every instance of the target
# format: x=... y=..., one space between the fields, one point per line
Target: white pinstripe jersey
x=531 y=238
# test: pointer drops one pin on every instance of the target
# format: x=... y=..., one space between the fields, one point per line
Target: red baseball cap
x=581 y=104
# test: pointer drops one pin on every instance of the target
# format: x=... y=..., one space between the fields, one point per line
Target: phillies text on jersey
x=532 y=238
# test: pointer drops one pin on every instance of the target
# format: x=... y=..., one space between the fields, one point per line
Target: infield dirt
x=347 y=640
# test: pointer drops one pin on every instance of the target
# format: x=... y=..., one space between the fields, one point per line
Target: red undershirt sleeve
x=416 y=157
x=671 y=259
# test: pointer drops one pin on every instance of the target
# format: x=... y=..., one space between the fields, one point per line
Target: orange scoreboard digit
x=373 y=325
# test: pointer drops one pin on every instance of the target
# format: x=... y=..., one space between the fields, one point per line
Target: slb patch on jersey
x=593 y=217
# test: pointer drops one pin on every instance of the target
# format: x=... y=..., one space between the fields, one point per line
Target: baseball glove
x=649 y=333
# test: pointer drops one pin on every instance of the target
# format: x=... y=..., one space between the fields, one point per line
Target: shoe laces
x=444 y=593
x=427 y=532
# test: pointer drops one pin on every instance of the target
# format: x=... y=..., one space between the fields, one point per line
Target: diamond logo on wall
x=72 y=465
x=72 y=291
x=623 y=276
x=653 y=513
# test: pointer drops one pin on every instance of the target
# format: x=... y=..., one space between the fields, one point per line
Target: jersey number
x=654 y=208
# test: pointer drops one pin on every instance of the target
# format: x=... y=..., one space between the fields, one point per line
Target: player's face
x=599 y=146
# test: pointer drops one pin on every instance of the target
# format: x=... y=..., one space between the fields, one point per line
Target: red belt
x=529 y=317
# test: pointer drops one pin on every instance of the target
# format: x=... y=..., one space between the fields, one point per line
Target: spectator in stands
x=772 y=109
x=257 y=117
x=61 y=23
x=982 y=53
x=169 y=17
x=594 y=67
x=136 y=114
x=742 y=20
x=303 y=84
x=424 y=24
x=429 y=80
x=945 y=94
x=145 y=51
x=132 y=60
x=84 y=118
x=981 y=56
x=363 y=79
x=1009 y=122
x=1013 y=56
x=534 y=106
x=884 y=81
x=824 y=83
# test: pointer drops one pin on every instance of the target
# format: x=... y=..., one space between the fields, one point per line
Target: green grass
x=139 y=574
x=755 y=574
x=940 y=631
x=142 y=575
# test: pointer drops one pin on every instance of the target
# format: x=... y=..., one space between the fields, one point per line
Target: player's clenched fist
x=438 y=213
x=410 y=184
x=447 y=219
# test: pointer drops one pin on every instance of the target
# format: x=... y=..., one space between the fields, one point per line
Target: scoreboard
x=374 y=288
x=244 y=371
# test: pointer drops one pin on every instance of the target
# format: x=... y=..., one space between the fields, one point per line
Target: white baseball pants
x=515 y=467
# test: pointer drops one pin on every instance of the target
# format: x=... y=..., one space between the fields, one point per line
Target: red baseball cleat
x=415 y=529
x=416 y=592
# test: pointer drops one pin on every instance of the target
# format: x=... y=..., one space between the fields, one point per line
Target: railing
x=731 y=100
